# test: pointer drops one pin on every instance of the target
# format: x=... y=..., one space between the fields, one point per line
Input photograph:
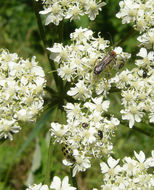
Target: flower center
x=93 y=6
x=128 y=97
x=75 y=11
x=133 y=110
x=132 y=12
x=152 y=39
x=6 y=128
x=79 y=160
x=55 y=9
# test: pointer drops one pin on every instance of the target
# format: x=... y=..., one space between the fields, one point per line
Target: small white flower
x=147 y=39
x=132 y=113
x=64 y=9
x=38 y=187
x=148 y=58
x=112 y=168
x=57 y=184
x=58 y=130
x=92 y=9
x=80 y=91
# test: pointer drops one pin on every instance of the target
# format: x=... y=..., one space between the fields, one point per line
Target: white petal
x=65 y=181
x=56 y=183
x=44 y=187
x=112 y=162
x=140 y=156
x=142 y=53
x=104 y=167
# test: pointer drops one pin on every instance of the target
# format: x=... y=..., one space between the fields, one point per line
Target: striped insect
x=68 y=153
x=104 y=62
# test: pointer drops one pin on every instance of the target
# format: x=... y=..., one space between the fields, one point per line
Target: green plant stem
x=74 y=182
x=51 y=90
x=138 y=129
x=49 y=163
x=8 y=174
x=43 y=38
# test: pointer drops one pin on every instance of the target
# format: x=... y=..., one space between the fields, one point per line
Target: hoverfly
x=104 y=62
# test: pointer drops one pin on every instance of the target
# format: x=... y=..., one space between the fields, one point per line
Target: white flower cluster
x=138 y=12
x=137 y=89
x=87 y=133
x=77 y=62
x=56 y=11
x=137 y=84
x=56 y=184
x=141 y=14
x=21 y=90
x=147 y=39
x=133 y=174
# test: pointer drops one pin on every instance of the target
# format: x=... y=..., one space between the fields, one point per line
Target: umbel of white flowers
x=56 y=11
x=132 y=174
x=21 y=91
x=77 y=61
x=76 y=64
x=87 y=134
x=141 y=15
x=137 y=12
x=56 y=184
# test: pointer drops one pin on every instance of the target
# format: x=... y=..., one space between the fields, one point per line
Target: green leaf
x=36 y=163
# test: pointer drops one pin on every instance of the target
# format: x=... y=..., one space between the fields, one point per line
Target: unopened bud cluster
x=21 y=90
x=56 y=11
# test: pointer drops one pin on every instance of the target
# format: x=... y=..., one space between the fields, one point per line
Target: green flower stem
x=74 y=182
x=43 y=38
x=139 y=130
x=51 y=90
x=49 y=163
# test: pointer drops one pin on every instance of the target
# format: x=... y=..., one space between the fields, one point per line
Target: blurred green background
x=19 y=33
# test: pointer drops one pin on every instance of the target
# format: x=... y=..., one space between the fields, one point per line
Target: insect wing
x=102 y=64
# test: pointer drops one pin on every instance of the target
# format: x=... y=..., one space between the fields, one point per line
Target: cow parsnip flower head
x=87 y=134
x=77 y=61
x=138 y=89
x=70 y=9
x=147 y=39
x=132 y=174
x=56 y=184
x=21 y=90
x=138 y=12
